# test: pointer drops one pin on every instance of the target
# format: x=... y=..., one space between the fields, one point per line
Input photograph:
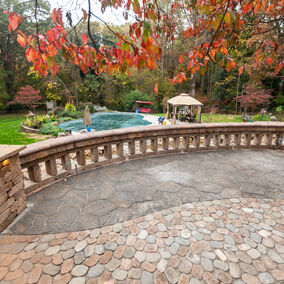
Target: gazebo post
x=199 y=114
x=174 y=115
x=168 y=111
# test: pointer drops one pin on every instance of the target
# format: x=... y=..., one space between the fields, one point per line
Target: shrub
x=52 y=117
x=132 y=97
x=37 y=121
x=50 y=128
x=76 y=114
x=70 y=107
x=257 y=117
x=63 y=119
x=63 y=113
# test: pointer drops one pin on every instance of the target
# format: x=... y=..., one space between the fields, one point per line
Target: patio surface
x=235 y=236
x=135 y=188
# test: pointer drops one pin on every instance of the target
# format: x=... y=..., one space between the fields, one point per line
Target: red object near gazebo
x=143 y=109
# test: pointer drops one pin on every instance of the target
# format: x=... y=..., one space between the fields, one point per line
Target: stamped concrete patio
x=214 y=217
x=135 y=188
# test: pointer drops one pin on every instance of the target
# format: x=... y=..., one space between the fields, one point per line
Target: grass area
x=10 y=132
x=214 y=117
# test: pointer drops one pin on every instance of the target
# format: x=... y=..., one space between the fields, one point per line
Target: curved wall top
x=53 y=159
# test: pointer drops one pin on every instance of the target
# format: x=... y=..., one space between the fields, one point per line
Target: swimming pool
x=106 y=121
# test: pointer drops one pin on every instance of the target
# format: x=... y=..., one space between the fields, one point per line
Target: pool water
x=106 y=121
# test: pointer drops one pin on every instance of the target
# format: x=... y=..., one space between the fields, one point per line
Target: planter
x=28 y=129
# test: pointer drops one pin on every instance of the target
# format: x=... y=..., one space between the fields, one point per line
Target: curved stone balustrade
x=47 y=161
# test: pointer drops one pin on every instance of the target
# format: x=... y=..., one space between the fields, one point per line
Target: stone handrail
x=46 y=161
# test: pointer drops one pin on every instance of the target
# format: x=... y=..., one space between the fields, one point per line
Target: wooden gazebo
x=183 y=100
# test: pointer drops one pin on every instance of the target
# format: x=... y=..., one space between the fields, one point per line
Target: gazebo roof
x=184 y=100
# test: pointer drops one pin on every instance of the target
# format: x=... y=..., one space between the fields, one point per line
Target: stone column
x=199 y=114
x=12 y=192
x=168 y=111
x=174 y=115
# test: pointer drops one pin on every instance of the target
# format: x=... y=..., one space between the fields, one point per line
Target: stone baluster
x=34 y=173
x=94 y=154
x=142 y=146
x=268 y=139
x=185 y=143
x=119 y=149
x=131 y=148
x=107 y=152
x=207 y=140
x=247 y=140
x=66 y=162
x=80 y=157
x=176 y=143
x=196 y=141
x=257 y=139
x=281 y=137
x=154 y=144
x=227 y=140
x=165 y=143
x=216 y=140
x=51 y=167
x=237 y=139
x=278 y=140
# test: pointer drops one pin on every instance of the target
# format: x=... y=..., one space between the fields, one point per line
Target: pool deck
x=214 y=217
x=154 y=120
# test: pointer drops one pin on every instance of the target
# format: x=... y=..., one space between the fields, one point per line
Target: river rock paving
x=116 y=193
x=175 y=245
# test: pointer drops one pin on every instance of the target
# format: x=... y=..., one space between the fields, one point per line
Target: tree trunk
x=237 y=95
x=202 y=85
x=193 y=85
x=212 y=79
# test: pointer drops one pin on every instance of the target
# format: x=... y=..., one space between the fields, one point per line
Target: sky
x=110 y=15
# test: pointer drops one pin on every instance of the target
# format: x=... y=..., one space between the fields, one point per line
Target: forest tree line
x=216 y=88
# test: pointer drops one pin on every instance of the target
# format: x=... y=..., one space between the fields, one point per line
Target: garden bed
x=27 y=129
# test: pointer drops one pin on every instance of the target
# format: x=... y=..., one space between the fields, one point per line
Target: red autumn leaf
x=85 y=39
x=56 y=16
x=278 y=68
x=50 y=36
x=53 y=16
x=14 y=21
x=270 y=8
x=51 y=50
x=247 y=8
x=54 y=69
x=138 y=32
x=268 y=60
x=136 y=7
x=241 y=69
x=156 y=88
x=21 y=40
x=224 y=50
x=181 y=58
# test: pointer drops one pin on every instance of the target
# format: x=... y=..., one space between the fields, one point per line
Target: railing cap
x=57 y=142
x=7 y=151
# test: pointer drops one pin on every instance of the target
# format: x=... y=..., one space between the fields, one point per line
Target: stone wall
x=12 y=195
x=47 y=161
x=28 y=129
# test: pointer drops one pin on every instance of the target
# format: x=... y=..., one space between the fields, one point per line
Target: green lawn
x=214 y=117
x=10 y=132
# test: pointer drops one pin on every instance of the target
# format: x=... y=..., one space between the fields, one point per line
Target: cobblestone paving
x=120 y=192
x=222 y=241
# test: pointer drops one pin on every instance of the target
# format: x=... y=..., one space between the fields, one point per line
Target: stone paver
x=249 y=251
x=111 y=195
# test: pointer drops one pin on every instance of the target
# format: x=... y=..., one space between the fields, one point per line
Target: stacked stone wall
x=12 y=195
